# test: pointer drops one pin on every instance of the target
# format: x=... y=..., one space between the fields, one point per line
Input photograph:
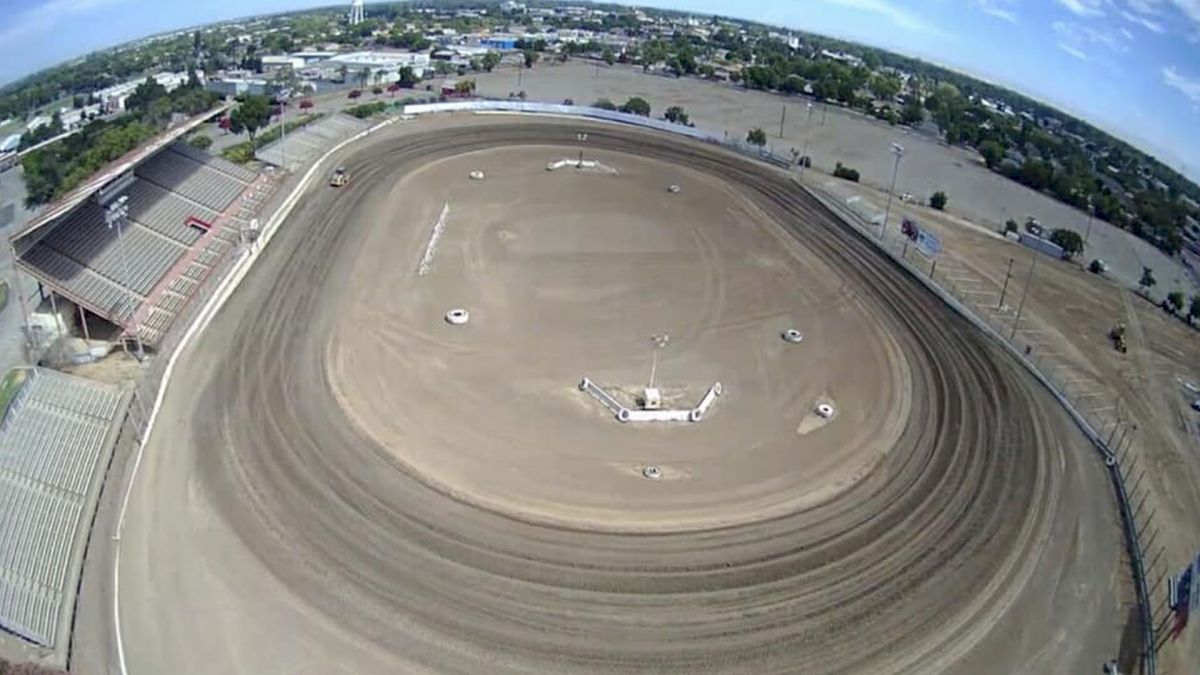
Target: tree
x=604 y=104
x=845 y=173
x=531 y=57
x=608 y=56
x=992 y=153
x=464 y=87
x=489 y=62
x=1010 y=225
x=938 y=200
x=1175 y=300
x=677 y=115
x=408 y=77
x=1147 y=280
x=912 y=114
x=636 y=106
x=250 y=115
x=1069 y=240
x=757 y=136
x=146 y=93
x=363 y=76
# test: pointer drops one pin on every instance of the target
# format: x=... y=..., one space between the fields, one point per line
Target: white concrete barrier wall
x=705 y=403
x=659 y=416
x=604 y=397
x=556 y=109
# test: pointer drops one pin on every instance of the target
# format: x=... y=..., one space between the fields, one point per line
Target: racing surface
x=270 y=532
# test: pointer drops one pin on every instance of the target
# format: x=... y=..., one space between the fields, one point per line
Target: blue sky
x=1130 y=66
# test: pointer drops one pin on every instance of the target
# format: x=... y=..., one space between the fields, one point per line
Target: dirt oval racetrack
x=270 y=533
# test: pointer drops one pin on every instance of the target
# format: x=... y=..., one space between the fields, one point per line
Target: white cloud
x=1077 y=53
x=997 y=8
x=1189 y=87
x=1151 y=7
x=1083 y=35
x=44 y=17
x=1148 y=24
x=899 y=15
x=1084 y=7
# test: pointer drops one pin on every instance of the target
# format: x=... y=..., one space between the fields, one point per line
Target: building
x=384 y=67
x=276 y=62
x=503 y=43
x=113 y=98
x=236 y=86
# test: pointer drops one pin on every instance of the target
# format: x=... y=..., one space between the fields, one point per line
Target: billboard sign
x=928 y=243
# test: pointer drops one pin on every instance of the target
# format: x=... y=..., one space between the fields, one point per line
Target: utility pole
x=782 y=119
x=1024 y=294
x=1004 y=291
x=898 y=151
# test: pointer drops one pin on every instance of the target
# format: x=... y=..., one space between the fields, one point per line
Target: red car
x=354 y=93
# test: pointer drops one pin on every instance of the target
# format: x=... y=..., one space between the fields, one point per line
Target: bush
x=677 y=115
x=1011 y=225
x=845 y=172
x=200 y=141
x=938 y=200
x=604 y=104
x=637 y=106
x=366 y=110
x=1175 y=300
x=757 y=136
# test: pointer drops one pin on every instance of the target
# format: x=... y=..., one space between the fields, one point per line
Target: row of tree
x=59 y=167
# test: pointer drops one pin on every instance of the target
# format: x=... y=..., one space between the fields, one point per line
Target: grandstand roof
x=75 y=197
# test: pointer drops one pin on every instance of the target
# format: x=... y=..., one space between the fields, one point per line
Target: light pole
x=898 y=151
x=660 y=340
x=1021 y=306
x=807 y=133
x=116 y=213
x=1091 y=209
x=582 y=138
x=283 y=132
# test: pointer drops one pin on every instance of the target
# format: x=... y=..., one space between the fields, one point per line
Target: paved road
x=267 y=534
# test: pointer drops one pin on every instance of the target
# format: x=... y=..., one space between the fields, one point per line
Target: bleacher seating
x=138 y=262
x=80 y=282
x=50 y=452
x=307 y=143
x=165 y=212
x=81 y=256
x=219 y=163
x=207 y=186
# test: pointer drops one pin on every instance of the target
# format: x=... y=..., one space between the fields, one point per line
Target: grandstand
x=53 y=443
x=186 y=210
x=310 y=142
